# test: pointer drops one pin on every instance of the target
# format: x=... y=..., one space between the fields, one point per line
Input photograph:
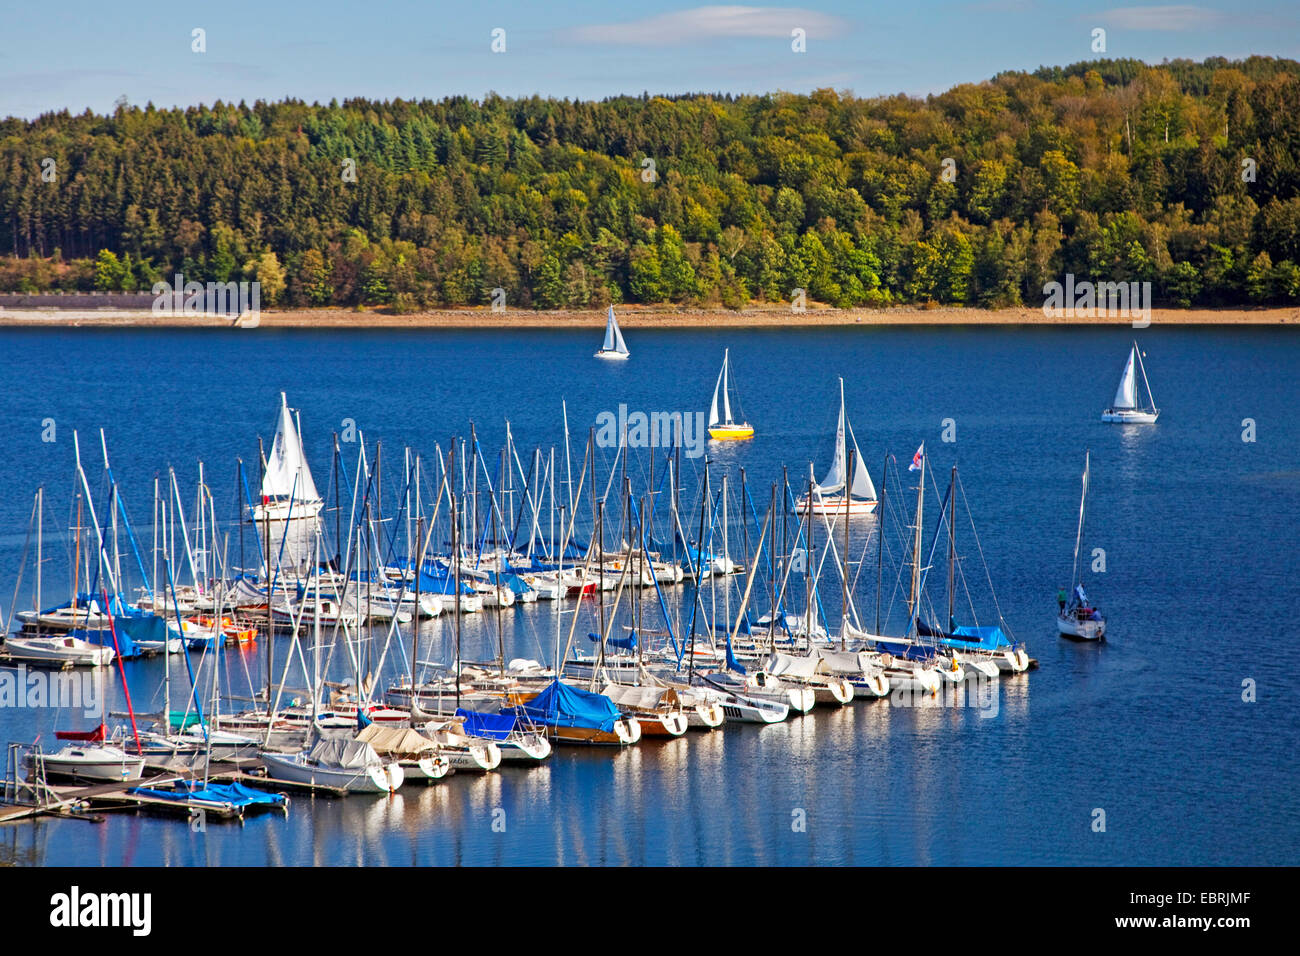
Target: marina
x=713 y=620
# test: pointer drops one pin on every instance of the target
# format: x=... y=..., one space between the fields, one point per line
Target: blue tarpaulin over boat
x=495 y=726
x=988 y=638
x=627 y=643
x=233 y=794
x=563 y=706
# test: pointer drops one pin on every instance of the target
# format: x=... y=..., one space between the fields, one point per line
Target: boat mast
x=1078 y=538
x=270 y=595
x=844 y=588
x=699 y=569
x=880 y=538
x=455 y=559
x=952 y=541
x=1141 y=365
x=914 y=596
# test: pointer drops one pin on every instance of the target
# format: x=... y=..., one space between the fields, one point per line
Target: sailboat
x=614 y=347
x=726 y=428
x=1124 y=409
x=829 y=496
x=1077 y=619
x=287 y=487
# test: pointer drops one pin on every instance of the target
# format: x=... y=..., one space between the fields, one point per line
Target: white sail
x=613 y=335
x=862 y=486
x=713 y=409
x=835 y=476
x=610 y=328
x=1126 y=393
x=287 y=472
x=726 y=399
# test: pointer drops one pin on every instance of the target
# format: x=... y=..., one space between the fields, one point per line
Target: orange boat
x=234 y=632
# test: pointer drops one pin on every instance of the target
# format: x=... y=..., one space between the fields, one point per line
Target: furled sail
x=287 y=472
x=1126 y=393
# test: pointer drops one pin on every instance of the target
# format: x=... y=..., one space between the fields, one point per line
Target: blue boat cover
x=235 y=794
x=495 y=726
x=563 y=706
x=988 y=638
x=627 y=643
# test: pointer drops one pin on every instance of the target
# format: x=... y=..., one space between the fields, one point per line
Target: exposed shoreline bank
x=633 y=317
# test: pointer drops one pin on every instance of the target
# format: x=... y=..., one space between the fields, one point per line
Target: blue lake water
x=1201 y=579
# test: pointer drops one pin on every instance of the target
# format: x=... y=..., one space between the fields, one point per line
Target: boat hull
x=294 y=768
x=833 y=505
x=731 y=432
x=1081 y=630
x=1125 y=416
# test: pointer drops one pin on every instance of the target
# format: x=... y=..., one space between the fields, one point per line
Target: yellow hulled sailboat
x=726 y=428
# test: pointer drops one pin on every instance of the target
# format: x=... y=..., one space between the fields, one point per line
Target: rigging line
x=1001 y=620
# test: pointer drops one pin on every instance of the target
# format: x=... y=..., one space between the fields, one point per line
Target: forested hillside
x=1184 y=174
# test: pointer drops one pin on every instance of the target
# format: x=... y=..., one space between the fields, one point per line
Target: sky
x=81 y=54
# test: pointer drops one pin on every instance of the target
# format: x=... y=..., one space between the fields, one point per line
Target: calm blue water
x=1200 y=584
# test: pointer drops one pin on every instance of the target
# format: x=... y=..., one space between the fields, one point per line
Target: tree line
x=1182 y=174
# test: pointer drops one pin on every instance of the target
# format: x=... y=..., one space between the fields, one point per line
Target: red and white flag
x=917 y=458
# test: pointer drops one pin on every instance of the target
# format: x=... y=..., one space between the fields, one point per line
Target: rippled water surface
x=1200 y=587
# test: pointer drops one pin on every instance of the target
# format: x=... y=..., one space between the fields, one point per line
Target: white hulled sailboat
x=287 y=488
x=828 y=497
x=1124 y=409
x=614 y=347
x=726 y=428
x=1078 y=620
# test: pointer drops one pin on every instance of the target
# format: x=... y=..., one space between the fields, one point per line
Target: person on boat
x=1060 y=598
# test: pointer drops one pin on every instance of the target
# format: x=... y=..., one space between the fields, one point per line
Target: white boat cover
x=346 y=754
x=396 y=740
x=845 y=662
x=779 y=665
x=640 y=698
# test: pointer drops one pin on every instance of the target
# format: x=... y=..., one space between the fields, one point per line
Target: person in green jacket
x=1060 y=598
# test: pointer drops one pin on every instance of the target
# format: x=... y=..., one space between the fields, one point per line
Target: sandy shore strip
x=634 y=317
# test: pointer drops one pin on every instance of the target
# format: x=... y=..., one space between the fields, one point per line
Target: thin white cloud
x=712 y=22
x=1171 y=18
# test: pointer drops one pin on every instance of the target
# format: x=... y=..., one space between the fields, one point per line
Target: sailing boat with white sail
x=614 y=347
x=1125 y=409
x=828 y=497
x=726 y=428
x=1078 y=619
x=288 y=491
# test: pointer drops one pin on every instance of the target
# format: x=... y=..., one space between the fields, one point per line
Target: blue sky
x=82 y=54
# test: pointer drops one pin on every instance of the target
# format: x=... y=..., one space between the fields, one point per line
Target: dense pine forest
x=1184 y=174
